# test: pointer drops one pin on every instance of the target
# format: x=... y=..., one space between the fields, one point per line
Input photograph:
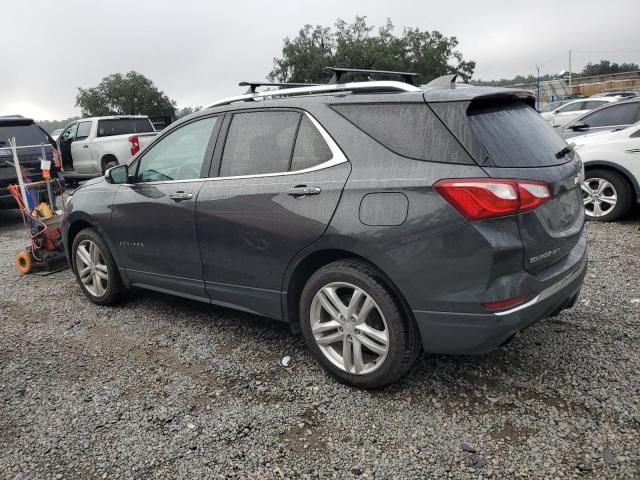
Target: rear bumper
x=471 y=333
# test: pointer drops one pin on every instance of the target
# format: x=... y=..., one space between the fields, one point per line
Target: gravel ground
x=163 y=387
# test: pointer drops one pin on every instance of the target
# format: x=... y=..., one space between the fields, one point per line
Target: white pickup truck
x=90 y=146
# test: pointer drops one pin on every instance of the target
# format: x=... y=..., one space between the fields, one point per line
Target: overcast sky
x=198 y=50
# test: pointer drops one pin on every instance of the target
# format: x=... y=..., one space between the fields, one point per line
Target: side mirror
x=117 y=174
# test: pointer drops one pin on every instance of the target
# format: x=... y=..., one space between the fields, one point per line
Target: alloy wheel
x=92 y=268
x=349 y=328
x=599 y=196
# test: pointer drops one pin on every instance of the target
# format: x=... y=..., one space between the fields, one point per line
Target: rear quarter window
x=124 y=126
x=515 y=135
x=25 y=135
x=408 y=129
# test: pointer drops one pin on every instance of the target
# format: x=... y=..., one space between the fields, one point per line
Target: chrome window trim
x=337 y=158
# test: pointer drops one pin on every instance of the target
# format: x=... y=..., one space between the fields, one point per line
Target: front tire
x=95 y=269
x=607 y=196
x=355 y=326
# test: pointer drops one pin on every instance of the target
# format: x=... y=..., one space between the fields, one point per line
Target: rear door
x=517 y=143
x=153 y=218
x=279 y=180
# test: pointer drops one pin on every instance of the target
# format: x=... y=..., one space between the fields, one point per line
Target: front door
x=280 y=180
x=65 y=141
x=81 y=149
x=153 y=218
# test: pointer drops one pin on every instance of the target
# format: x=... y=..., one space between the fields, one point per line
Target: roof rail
x=338 y=72
x=445 y=81
x=377 y=86
x=254 y=85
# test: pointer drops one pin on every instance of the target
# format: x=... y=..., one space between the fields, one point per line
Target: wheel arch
x=301 y=270
x=106 y=158
x=619 y=169
x=77 y=222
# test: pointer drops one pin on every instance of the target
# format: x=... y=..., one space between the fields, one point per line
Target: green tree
x=605 y=67
x=359 y=45
x=130 y=94
x=183 y=112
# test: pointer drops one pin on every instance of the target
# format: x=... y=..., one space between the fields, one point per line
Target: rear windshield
x=123 y=126
x=25 y=135
x=515 y=135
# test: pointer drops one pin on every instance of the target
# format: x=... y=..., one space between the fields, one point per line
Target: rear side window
x=515 y=135
x=620 y=114
x=310 y=149
x=25 y=135
x=84 y=129
x=408 y=129
x=591 y=104
x=259 y=142
x=123 y=126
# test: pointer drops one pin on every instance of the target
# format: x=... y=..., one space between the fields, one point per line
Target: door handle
x=85 y=146
x=180 y=196
x=302 y=191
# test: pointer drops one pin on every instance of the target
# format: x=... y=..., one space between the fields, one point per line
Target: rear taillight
x=502 y=304
x=482 y=198
x=57 y=159
x=135 y=144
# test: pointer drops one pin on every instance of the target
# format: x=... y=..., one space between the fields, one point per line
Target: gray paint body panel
x=240 y=242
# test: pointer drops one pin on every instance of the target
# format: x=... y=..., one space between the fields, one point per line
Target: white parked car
x=568 y=112
x=612 y=172
x=90 y=146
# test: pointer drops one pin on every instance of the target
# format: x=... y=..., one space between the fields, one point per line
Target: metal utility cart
x=42 y=219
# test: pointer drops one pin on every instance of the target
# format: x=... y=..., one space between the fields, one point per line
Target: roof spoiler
x=445 y=81
x=338 y=72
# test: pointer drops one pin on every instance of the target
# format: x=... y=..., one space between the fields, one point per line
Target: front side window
x=259 y=143
x=621 y=114
x=572 y=107
x=178 y=156
x=84 y=129
x=70 y=133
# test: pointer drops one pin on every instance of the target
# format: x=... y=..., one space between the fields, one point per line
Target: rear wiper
x=565 y=151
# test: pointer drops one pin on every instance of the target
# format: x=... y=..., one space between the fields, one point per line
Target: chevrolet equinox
x=377 y=218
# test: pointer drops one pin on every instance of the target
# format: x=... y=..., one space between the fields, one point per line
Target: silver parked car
x=611 y=117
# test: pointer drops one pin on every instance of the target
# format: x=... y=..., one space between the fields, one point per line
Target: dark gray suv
x=377 y=218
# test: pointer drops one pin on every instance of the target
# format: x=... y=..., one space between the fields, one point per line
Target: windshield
x=515 y=135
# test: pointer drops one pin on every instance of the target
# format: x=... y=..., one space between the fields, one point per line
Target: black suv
x=29 y=140
x=378 y=218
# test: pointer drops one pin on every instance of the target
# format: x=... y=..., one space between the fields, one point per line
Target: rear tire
x=606 y=194
x=108 y=163
x=95 y=269
x=355 y=326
